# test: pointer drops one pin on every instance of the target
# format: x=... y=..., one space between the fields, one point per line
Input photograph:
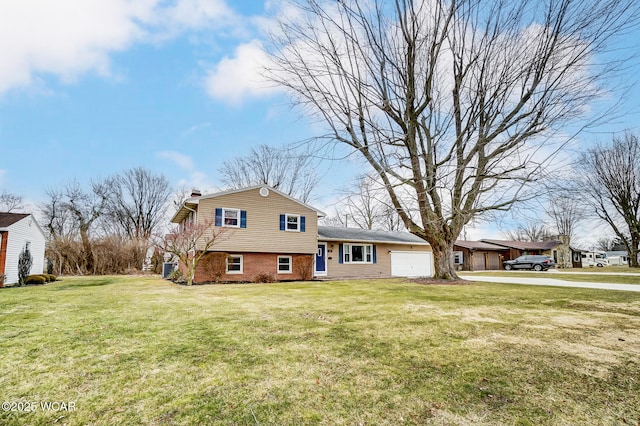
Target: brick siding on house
x=255 y=264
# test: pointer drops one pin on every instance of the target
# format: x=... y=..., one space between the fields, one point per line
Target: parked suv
x=535 y=262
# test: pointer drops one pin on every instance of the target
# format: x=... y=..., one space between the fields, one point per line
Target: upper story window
x=231 y=218
x=292 y=222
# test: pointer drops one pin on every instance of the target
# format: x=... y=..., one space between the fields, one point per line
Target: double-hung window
x=234 y=264
x=284 y=265
x=457 y=258
x=358 y=253
x=231 y=218
x=292 y=222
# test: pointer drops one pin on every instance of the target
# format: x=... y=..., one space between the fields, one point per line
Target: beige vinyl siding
x=262 y=233
x=382 y=267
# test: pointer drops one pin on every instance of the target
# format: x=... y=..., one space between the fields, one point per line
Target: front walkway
x=556 y=282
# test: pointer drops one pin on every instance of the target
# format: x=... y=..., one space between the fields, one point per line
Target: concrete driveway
x=555 y=282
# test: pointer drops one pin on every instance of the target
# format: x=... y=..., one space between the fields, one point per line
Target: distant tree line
x=106 y=227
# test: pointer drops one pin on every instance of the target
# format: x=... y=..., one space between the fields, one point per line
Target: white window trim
x=290 y=271
x=350 y=253
x=461 y=257
x=224 y=222
x=228 y=272
x=286 y=222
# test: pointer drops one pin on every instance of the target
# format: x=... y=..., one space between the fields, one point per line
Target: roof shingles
x=8 y=219
x=330 y=233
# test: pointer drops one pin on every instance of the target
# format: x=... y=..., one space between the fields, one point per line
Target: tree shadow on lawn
x=432 y=281
x=81 y=284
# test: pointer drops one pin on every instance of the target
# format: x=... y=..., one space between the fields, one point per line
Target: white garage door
x=411 y=264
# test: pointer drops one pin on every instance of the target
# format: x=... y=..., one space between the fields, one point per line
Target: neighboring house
x=350 y=252
x=618 y=258
x=269 y=232
x=479 y=255
x=19 y=231
x=564 y=255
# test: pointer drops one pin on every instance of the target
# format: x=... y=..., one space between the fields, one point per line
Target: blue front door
x=321 y=260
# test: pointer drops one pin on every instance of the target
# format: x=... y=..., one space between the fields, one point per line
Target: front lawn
x=136 y=350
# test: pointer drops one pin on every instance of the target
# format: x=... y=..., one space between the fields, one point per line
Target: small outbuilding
x=479 y=256
x=18 y=232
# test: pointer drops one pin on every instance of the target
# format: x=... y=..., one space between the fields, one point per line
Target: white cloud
x=181 y=160
x=196 y=179
x=194 y=129
x=67 y=38
x=236 y=78
x=199 y=13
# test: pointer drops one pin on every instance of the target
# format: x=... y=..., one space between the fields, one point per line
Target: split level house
x=18 y=232
x=263 y=231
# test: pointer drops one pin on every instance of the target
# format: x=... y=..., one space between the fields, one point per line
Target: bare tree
x=454 y=103
x=286 y=170
x=179 y=196
x=85 y=207
x=190 y=242
x=55 y=216
x=137 y=202
x=566 y=214
x=10 y=202
x=366 y=205
x=611 y=180
x=530 y=232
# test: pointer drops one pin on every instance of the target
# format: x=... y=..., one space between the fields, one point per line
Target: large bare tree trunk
x=443 y=260
x=456 y=105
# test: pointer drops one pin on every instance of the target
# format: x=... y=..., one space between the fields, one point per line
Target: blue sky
x=173 y=87
x=89 y=88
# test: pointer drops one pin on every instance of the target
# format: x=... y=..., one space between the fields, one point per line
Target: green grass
x=131 y=350
x=564 y=275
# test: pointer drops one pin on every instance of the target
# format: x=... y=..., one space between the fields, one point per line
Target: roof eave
x=184 y=210
x=235 y=191
x=408 y=243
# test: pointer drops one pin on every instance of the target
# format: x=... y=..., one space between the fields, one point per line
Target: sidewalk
x=555 y=282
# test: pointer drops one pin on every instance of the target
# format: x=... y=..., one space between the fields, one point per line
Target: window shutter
x=374 y=254
x=243 y=218
x=340 y=253
x=303 y=225
x=218 y=217
x=282 y=222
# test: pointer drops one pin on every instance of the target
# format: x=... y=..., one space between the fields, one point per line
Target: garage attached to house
x=360 y=253
x=411 y=264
